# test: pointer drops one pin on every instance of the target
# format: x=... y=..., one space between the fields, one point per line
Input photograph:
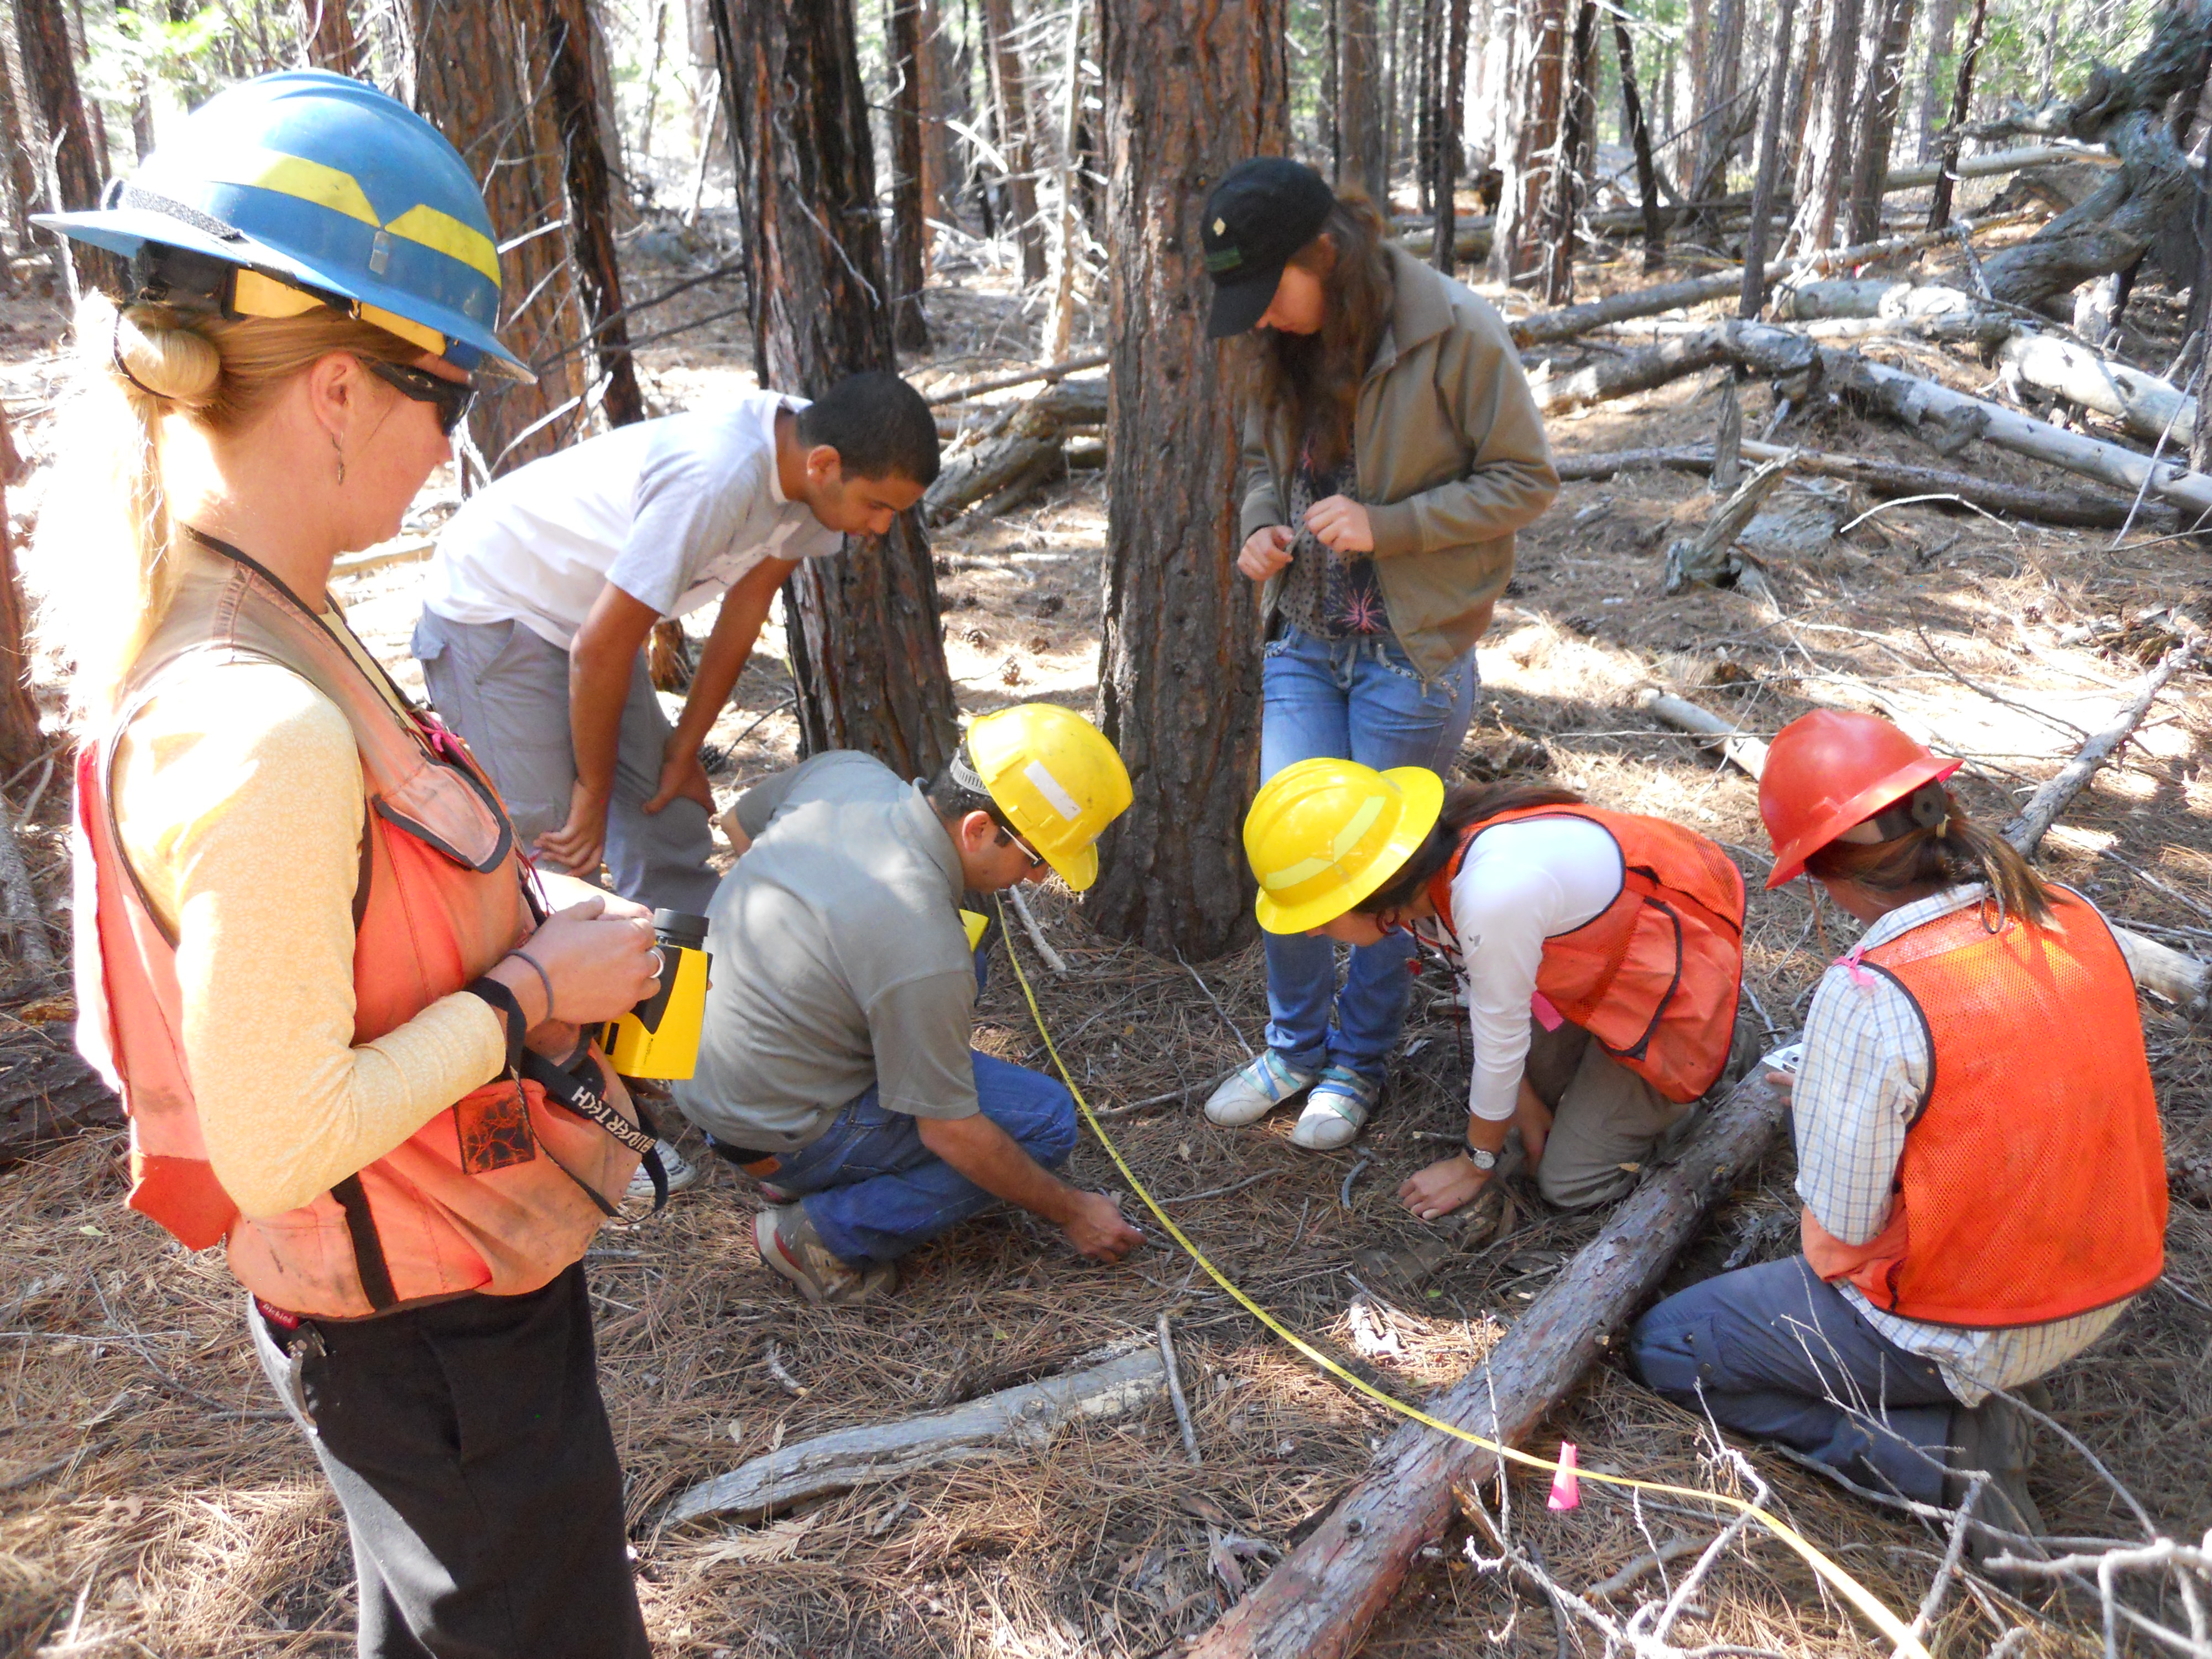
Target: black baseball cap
x=1261 y=212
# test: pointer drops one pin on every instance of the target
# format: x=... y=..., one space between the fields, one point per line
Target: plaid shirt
x=1865 y=1070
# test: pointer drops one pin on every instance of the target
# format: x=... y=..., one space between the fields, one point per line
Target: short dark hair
x=877 y=424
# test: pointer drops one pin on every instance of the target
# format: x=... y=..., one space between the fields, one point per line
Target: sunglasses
x=451 y=398
x=1036 y=860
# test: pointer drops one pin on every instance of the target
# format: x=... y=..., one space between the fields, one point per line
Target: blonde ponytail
x=100 y=565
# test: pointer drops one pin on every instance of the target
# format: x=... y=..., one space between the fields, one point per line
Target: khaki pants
x=1604 y=1116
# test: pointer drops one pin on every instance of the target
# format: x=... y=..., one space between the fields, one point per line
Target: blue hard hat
x=307 y=180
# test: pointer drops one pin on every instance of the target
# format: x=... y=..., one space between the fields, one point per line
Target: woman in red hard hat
x=1984 y=1190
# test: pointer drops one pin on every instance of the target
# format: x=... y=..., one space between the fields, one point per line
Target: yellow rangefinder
x=659 y=1037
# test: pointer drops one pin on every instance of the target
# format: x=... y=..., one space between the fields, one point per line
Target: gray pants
x=1604 y=1116
x=506 y=691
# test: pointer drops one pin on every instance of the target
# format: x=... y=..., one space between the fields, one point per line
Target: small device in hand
x=1785 y=1060
x=659 y=1037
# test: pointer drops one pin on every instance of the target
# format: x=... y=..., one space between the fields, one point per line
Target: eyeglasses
x=451 y=398
x=1037 y=861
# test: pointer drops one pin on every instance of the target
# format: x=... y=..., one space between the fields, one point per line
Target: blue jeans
x=874 y=1192
x=1774 y=1353
x=1359 y=699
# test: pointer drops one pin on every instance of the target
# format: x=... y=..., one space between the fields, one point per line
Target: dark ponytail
x=1928 y=859
x=1471 y=803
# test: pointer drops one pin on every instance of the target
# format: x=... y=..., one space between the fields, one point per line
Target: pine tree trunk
x=1962 y=103
x=1451 y=111
x=331 y=43
x=1942 y=24
x=1391 y=61
x=1192 y=87
x=1426 y=53
x=1327 y=139
x=20 y=737
x=578 y=106
x=1769 y=162
x=866 y=641
x=1715 y=108
x=1359 y=103
x=1537 y=94
x=944 y=88
x=1880 y=95
x=22 y=183
x=61 y=129
x=1822 y=171
x=1012 y=93
x=1562 y=192
x=903 y=34
x=481 y=77
x=1639 y=135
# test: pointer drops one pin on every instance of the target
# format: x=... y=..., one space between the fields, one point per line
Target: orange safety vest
x=498 y=1193
x=1653 y=976
x=2033 y=1186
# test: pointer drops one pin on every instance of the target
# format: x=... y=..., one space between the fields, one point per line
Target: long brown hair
x=1927 y=859
x=1313 y=379
x=1470 y=803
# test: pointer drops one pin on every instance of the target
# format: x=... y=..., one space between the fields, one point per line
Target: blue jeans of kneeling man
x=874 y=1192
x=1774 y=1353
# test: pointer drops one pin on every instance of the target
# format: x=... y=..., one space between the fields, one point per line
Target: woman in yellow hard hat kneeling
x=1598 y=953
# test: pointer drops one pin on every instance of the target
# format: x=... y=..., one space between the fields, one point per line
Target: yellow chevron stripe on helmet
x=340 y=191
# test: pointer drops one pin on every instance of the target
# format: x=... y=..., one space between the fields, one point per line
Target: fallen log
x=1014 y=1419
x=2147 y=406
x=2028 y=828
x=2181 y=980
x=1016 y=448
x=1001 y=382
x=1655 y=366
x=1320 y=1601
x=2075 y=509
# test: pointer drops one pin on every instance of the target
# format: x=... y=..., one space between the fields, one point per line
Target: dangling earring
x=340 y=448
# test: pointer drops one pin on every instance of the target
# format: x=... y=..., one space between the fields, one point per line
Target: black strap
x=582 y=1090
x=502 y=998
x=367 y=1248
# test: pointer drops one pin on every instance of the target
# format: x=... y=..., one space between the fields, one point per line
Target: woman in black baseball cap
x=1391 y=449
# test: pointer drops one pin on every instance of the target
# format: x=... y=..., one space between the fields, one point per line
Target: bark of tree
x=1191 y=89
x=1562 y=192
x=1882 y=94
x=483 y=75
x=74 y=176
x=903 y=34
x=1715 y=108
x=578 y=102
x=2123 y=110
x=943 y=90
x=1012 y=94
x=1427 y=54
x=22 y=183
x=1962 y=101
x=1942 y=26
x=1067 y=241
x=1536 y=94
x=1639 y=135
x=866 y=641
x=1359 y=104
x=1823 y=168
x=1770 y=162
x=1451 y=111
x=20 y=737
x=331 y=43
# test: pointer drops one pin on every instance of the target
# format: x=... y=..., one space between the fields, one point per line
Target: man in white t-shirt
x=547 y=583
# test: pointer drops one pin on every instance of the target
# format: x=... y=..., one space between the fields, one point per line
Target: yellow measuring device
x=1908 y=1646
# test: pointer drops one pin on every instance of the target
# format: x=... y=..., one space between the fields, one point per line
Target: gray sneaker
x=789 y=1245
x=1247 y=1096
x=1993 y=1437
x=680 y=1170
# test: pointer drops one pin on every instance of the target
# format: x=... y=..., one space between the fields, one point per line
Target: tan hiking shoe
x=1994 y=1438
x=789 y=1245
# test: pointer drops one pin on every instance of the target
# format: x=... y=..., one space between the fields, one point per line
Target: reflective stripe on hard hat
x=1049 y=787
x=1323 y=834
x=1054 y=779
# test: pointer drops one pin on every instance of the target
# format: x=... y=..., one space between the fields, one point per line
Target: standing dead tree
x=903 y=32
x=1769 y=162
x=576 y=85
x=1192 y=87
x=1881 y=94
x=1639 y=135
x=1562 y=192
x=1535 y=91
x=1962 y=99
x=866 y=639
x=1010 y=87
x=1825 y=155
x=2123 y=110
x=1445 y=158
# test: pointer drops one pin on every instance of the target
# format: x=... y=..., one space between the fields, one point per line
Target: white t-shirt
x=1520 y=884
x=671 y=512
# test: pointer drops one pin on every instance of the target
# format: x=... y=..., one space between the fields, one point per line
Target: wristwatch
x=1480 y=1156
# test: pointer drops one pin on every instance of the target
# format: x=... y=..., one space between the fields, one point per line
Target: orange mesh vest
x=2033 y=1186
x=1654 y=976
x=490 y=1194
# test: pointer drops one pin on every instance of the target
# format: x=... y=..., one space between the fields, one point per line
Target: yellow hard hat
x=1324 y=834
x=1055 y=777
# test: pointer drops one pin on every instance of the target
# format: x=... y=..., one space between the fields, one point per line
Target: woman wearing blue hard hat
x=342 y=1019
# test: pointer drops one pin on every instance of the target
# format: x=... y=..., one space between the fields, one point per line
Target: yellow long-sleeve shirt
x=238 y=790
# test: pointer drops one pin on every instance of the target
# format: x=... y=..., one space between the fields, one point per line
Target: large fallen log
x=1655 y=366
x=1012 y=1419
x=1016 y=447
x=2147 y=406
x=2075 y=509
x=1320 y=1601
x=2181 y=980
x=2028 y=828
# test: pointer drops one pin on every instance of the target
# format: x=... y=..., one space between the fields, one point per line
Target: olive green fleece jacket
x=1451 y=461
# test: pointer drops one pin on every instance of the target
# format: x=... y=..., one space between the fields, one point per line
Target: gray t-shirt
x=839 y=961
x=671 y=511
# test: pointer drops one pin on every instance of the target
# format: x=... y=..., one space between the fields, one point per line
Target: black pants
x=470 y=1448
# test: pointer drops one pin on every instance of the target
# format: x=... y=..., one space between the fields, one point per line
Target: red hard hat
x=1829 y=769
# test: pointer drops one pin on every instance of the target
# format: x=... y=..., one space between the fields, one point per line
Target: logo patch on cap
x=1221 y=227
x=1227 y=258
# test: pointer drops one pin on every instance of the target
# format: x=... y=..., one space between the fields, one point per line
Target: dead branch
x=1017 y=447
x=1176 y=1395
x=1318 y=1602
x=2027 y=830
x=1001 y=382
x=1013 y=1418
x=1709 y=557
x=1053 y=959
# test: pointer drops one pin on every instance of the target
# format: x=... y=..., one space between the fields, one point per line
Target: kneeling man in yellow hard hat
x=834 y=1066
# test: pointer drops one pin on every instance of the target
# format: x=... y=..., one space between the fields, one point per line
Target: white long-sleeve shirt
x=1520 y=884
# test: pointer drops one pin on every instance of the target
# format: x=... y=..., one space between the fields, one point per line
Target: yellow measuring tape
x=1856 y=1593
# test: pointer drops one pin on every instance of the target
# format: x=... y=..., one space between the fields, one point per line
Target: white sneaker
x=1336 y=1111
x=1249 y=1094
x=680 y=1170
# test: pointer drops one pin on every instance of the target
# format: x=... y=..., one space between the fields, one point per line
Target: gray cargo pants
x=506 y=691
